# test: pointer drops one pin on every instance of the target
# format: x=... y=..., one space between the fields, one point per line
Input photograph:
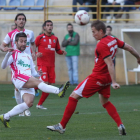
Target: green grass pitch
x=92 y=122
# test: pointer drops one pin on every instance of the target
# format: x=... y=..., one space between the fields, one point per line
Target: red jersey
x=47 y=45
x=107 y=46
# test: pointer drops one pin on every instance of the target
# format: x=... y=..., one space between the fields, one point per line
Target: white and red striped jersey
x=10 y=37
x=21 y=63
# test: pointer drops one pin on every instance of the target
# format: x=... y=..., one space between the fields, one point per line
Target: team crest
x=28 y=36
x=44 y=40
x=54 y=41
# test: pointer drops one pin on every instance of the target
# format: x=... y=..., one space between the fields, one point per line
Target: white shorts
x=27 y=90
x=20 y=80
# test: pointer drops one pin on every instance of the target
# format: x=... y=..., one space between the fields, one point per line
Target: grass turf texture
x=92 y=122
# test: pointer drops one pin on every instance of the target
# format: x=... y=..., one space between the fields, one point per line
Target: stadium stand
x=27 y=3
x=12 y=3
x=38 y=3
x=2 y=3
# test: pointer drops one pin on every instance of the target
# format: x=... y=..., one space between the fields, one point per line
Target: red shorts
x=48 y=74
x=93 y=84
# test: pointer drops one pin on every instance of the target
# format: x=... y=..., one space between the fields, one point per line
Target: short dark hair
x=20 y=14
x=69 y=24
x=99 y=25
x=44 y=24
x=109 y=27
x=18 y=35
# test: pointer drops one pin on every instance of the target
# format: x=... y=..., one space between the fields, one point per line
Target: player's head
x=20 y=20
x=108 y=30
x=20 y=40
x=13 y=27
x=48 y=26
x=98 y=29
x=70 y=27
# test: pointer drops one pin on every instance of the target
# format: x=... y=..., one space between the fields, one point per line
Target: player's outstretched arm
x=5 y=61
x=129 y=48
x=111 y=70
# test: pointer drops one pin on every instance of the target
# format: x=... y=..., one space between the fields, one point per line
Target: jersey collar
x=104 y=36
x=21 y=31
x=18 y=51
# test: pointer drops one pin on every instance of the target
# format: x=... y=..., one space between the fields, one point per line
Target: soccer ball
x=82 y=17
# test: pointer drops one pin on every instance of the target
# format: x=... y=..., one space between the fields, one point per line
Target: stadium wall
x=86 y=59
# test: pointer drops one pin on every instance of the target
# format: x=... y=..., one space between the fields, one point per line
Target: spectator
x=85 y=2
x=127 y=9
x=103 y=8
x=116 y=9
x=72 y=43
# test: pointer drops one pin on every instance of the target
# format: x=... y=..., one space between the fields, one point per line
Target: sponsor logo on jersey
x=21 y=63
x=54 y=41
x=44 y=40
x=27 y=44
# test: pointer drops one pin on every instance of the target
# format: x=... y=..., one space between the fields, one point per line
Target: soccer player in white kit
x=23 y=70
x=20 y=21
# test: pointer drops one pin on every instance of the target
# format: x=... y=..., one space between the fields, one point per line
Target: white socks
x=18 y=97
x=48 y=88
x=16 y=110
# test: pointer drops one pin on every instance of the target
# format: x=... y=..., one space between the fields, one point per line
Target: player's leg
x=28 y=97
x=45 y=79
x=18 y=96
x=19 y=101
x=71 y=106
x=112 y=111
x=69 y=110
x=84 y=89
x=33 y=82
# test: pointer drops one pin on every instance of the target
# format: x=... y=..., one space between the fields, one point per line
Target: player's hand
x=115 y=85
x=5 y=49
x=40 y=72
x=10 y=50
x=33 y=56
x=64 y=53
x=39 y=54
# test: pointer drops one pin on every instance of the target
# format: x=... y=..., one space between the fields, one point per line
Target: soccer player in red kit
x=102 y=76
x=47 y=45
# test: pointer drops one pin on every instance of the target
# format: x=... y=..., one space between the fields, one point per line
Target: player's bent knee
x=75 y=96
x=29 y=104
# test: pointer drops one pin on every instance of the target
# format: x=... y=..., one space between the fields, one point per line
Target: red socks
x=43 y=98
x=69 y=110
x=111 y=109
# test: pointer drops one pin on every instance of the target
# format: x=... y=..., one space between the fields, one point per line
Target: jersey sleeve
x=8 y=59
x=37 y=41
x=103 y=50
x=32 y=37
x=120 y=43
x=7 y=39
x=58 y=49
